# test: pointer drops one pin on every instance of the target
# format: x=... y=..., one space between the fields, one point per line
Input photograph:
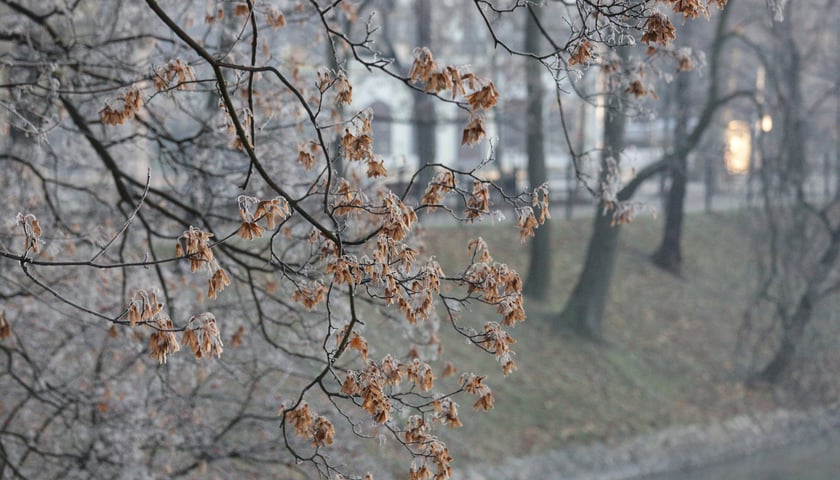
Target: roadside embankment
x=670 y=450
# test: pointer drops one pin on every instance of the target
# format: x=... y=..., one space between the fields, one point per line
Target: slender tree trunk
x=837 y=150
x=584 y=311
x=538 y=281
x=572 y=187
x=786 y=351
x=425 y=125
x=334 y=63
x=669 y=254
x=751 y=171
x=499 y=123
x=668 y=137
x=793 y=327
x=710 y=182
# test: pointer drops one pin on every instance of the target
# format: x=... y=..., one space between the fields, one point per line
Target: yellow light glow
x=766 y=123
x=738 y=147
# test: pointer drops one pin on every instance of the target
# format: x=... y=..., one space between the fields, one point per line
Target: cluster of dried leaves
x=31 y=233
x=200 y=334
x=123 y=108
x=5 y=327
x=359 y=242
x=479 y=93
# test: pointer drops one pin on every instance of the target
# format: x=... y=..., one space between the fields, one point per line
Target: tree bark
x=793 y=327
x=425 y=126
x=785 y=353
x=538 y=280
x=584 y=311
x=572 y=187
x=669 y=254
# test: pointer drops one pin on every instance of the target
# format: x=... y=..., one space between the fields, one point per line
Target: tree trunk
x=572 y=186
x=338 y=160
x=786 y=352
x=710 y=172
x=538 y=281
x=425 y=126
x=837 y=152
x=584 y=311
x=669 y=254
x=793 y=327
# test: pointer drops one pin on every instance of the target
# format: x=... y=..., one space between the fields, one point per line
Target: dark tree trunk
x=538 y=281
x=710 y=182
x=669 y=254
x=572 y=187
x=837 y=152
x=584 y=311
x=793 y=327
x=425 y=126
x=785 y=353
x=585 y=308
x=334 y=64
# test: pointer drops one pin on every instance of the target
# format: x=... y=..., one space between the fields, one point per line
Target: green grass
x=669 y=340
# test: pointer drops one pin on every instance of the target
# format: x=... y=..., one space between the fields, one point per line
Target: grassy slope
x=670 y=341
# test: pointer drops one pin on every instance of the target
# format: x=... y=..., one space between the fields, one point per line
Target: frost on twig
x=31 y=232
x=621 y=211
x=777 y=8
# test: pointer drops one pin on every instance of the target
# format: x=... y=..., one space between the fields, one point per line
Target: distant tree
x=538 y=280
x=669 y=254
x=584 y=310
x=658 y=30
x=799 y=248
x=423 y=116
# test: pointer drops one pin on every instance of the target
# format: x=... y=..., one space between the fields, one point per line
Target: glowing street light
x=766 y=123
